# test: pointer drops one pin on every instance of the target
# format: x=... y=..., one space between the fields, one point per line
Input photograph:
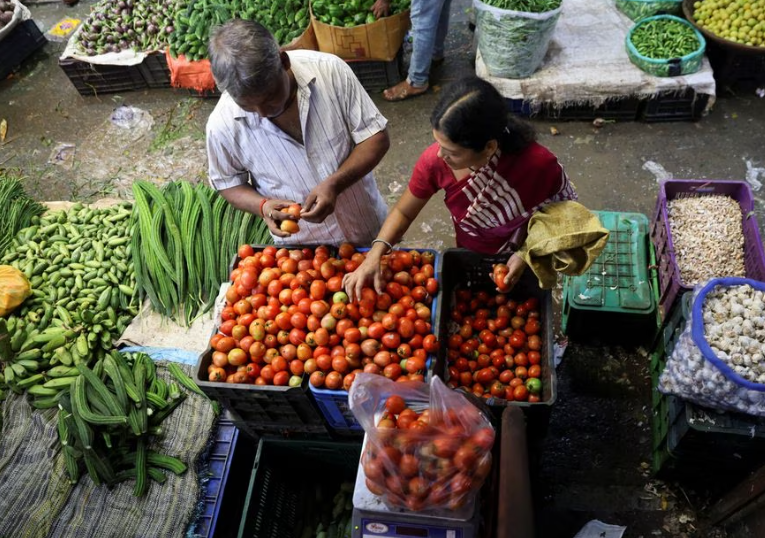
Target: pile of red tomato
x=420 y=460
x=287 y=316
x=496 y=351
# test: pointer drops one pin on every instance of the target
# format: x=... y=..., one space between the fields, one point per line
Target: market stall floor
x=595 y=459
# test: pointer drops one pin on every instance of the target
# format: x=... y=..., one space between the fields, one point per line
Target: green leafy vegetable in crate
x=286 y=20
x=662 y=39
x=83 y=298
x=735 y=20
x=531 y=6
x=117 y=25
x=353 y=12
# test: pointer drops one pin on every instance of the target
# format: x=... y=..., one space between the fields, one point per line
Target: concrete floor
x=594 y=462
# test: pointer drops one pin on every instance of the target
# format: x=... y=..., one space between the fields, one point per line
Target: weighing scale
x=373 y=519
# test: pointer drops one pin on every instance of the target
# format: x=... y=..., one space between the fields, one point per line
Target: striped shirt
x=491 y=205
x=336 y=113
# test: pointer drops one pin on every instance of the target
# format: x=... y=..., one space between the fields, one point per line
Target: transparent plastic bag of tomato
x=427 y=447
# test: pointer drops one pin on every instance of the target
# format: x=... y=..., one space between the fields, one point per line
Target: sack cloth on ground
x=564 y=237
x=37 y=500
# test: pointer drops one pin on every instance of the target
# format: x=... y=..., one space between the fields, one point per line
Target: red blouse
x=490 y=204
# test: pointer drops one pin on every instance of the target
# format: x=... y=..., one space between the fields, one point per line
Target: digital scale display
x=378 y=529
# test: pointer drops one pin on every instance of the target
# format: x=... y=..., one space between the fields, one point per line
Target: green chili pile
x=662 y=39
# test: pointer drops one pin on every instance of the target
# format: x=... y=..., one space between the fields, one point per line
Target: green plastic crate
x=285 y=475
x=615 y=299
x=665 y=408
x=688 y=439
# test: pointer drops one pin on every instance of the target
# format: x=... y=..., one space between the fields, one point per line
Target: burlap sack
x=564 y=237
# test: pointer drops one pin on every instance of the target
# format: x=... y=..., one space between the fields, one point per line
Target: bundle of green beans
x=16 y=207
x=107 y=417
x=83 y=298
x=183 y=243
x=530 y=6
x=286 y=20
x=663 y=39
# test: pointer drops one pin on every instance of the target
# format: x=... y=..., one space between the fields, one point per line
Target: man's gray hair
x=244 y=57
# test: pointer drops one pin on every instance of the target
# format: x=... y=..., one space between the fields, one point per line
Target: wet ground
x=595 y=460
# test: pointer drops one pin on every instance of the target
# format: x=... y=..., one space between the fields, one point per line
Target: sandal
x=403 y=90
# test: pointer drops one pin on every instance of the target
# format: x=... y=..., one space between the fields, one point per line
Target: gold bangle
x=384 y=242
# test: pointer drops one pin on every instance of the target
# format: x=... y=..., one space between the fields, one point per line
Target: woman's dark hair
x=471 y=111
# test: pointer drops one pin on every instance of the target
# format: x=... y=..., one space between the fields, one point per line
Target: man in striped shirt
x=294 y=127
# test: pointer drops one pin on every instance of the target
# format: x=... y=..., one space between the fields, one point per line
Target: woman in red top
x=493 y=173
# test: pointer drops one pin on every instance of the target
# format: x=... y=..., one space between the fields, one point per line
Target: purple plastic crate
x=670 y=285
x=333 y=404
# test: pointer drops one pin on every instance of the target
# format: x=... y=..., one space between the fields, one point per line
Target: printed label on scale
x=376 y=529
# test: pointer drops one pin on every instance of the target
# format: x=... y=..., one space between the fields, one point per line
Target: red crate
x=670 y=285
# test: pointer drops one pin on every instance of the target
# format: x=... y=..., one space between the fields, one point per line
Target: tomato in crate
x=256 y=363
x=390 y=334
x=498 y=346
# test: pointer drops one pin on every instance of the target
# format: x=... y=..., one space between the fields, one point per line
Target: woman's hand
x=272 y=215
x=365 y=274
x=516 y=266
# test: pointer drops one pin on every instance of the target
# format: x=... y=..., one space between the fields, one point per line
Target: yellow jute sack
x=14 y=288
x=563 y=237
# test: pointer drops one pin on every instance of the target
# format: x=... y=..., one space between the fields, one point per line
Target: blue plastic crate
x=220 y=456
x=333 y=404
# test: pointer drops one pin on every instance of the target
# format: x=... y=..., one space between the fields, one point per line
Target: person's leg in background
x=426 y=18
x=443 y=29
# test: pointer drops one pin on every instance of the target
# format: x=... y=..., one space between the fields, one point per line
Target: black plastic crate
x=155 y=71
x=732 y=67
x=376 y=76
x=685 y=105
x=19 y=45
x=522 y=108
x=283 y=484
x=624 y=109
x=93 y=79
x=462 y=268
x=263 y=410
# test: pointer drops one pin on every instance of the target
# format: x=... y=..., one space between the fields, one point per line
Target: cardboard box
x=305 y=41
x=379 y=40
